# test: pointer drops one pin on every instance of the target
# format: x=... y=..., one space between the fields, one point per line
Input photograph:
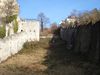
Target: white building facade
x=31 y=27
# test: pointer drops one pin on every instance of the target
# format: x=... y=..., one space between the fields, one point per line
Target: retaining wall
x=14 y=43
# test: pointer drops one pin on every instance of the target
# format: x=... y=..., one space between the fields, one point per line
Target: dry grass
x=28 y=61
x=36 y=58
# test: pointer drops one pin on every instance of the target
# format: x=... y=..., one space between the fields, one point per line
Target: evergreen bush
x=2 y=31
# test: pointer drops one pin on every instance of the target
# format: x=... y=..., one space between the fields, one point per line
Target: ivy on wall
x=2 y=31
x=6 y=20
x=15 y=26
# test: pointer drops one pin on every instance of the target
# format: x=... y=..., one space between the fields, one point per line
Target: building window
x=21 y=30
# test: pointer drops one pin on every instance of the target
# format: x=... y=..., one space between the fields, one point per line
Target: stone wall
x=14 y=43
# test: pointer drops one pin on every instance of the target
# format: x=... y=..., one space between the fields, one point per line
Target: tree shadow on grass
x=61 y=61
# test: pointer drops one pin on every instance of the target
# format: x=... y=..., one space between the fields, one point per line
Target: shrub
x=30 y=47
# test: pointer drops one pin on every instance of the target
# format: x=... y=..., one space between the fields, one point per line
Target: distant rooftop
x=29 y=19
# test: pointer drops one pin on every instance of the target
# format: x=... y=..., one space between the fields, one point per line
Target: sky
x=55 y=10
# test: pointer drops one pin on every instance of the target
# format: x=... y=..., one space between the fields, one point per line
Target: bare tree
x=43 y=20
x=90 y=16
x=75 y=12
x=95 y=15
